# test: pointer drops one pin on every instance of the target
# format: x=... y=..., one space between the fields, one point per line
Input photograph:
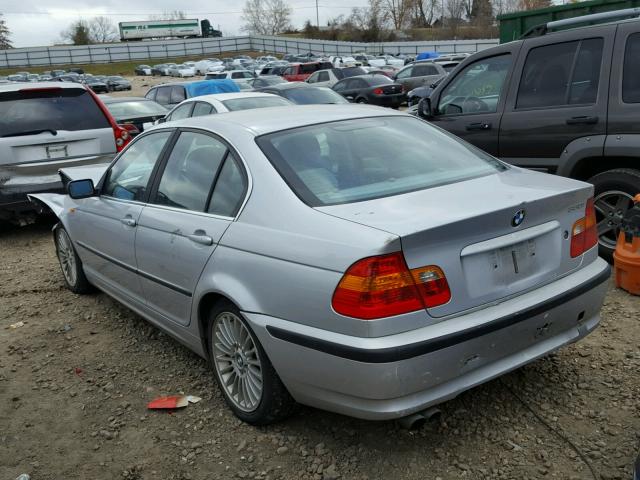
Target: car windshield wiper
x=31 y=132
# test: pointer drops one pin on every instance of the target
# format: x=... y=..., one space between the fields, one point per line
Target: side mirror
x=424 y=108
x=160 y=120
x=81 y=189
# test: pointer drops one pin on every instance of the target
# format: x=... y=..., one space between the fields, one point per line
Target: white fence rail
x=157 y=50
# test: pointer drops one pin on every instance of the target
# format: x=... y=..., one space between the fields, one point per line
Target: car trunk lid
x=469 y=229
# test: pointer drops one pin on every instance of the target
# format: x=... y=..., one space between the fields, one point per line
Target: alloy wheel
x=610 y=208
x=237 y=362
x=67 y=257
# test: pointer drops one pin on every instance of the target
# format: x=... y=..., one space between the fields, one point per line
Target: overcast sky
x=38 y=22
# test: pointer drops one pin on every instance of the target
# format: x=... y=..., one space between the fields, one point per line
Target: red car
x=299 y=72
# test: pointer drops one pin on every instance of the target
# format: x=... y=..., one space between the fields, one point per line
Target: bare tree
x=266 y=17
x=77 y=33
x=5 y=33
x=169 y=15
x=534 y=4
x=455 y=11
x=102 y=30
x=505 y=6
x=397 y=11
x=423 y=12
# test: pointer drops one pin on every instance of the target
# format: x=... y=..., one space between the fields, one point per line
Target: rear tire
x=613 y=193
x=249 y=383
x=70 y=263
x=361 y=100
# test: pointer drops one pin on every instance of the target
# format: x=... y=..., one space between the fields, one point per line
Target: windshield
x=137 y=108
x=254 y=102
x=50 y=109
x=309 y=95
x=355 y=160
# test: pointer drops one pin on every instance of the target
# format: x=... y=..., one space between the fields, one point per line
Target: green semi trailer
x=514 y=25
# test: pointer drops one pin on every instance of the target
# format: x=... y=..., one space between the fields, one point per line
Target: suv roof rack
x=544 y=28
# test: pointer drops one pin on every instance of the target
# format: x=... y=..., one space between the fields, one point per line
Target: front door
x=193 y=202
x=470 y=104
x=109 y=221
x=558 y=95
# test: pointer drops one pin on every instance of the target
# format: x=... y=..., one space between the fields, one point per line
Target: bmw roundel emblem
x=518 y=218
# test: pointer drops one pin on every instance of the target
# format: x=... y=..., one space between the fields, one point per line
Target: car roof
x=124 y=99
x=289 y=85
x=13 y=87
x=261 y=121
x=219 y=97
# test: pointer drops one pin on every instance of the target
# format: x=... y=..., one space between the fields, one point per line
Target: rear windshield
x=255 y=102
x=137 y=108
x=378 y=79
x=308 y=96
x=356 y=160
x=52 y=109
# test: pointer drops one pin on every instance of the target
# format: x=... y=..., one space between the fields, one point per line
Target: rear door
x=470 y=103
x=558 y=95
x=105 y=226
x=185 y=219
x=42 y=130
x=178 y=95
x=422 y=74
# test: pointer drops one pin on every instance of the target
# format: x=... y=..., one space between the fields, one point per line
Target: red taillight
x=584 y=233
x=383 y=286
x=121 y=136
x=378 y=91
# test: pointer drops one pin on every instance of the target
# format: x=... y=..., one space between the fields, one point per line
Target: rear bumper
x=14 y=201
x=388 y=100
x=394 y=376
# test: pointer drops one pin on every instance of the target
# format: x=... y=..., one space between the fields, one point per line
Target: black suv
x=566 y=102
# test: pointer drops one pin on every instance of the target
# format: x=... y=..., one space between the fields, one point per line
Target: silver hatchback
x=350 y=258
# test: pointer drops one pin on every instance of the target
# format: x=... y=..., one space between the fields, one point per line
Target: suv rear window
x=356 y=160
x=545 y=77
x=309 y=68
x=69 y=109
x=631 y=72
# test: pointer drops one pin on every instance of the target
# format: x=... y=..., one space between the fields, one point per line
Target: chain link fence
x=198 y=47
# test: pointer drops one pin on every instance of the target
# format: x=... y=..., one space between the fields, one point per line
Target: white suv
x=43 y=127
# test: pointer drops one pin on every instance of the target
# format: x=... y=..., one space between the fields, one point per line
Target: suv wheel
x=70 y=263
x=614 y=192
x=249 y=383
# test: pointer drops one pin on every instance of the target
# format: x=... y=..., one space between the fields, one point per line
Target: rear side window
x=561 y=74
x=367 y=158
x=163 y=95
x=188 y=176
x=56 y=109
x=229 y=191
x=309 y=68
x=323 y=77
x=631 y=72
x=178 y=94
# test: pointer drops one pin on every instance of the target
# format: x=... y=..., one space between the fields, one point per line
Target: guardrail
x=162 y=49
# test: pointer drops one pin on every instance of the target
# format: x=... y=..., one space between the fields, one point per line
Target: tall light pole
x=317 y=16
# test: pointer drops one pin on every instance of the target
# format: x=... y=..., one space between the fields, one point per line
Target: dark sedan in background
x=304 y=94
x=375 y=89
x=134 y=113
x=98 y=86
x=117 y=84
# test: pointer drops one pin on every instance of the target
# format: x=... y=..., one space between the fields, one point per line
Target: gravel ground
x=76 y=377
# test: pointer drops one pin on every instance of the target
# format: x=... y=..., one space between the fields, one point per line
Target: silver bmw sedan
x=350 y=258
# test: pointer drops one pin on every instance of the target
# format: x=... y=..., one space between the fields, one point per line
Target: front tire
x=249 y=383
x=613 y=197
x=70 y=263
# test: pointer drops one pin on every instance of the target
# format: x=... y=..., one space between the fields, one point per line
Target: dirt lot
x=76 y=377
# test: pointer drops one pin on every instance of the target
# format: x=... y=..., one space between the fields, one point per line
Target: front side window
x=424 y=70
x=631 y=70
x=323 y=77
x=190 y=170
x=164 y=95
x=363 y=159
x=406 y=73
x=477 y=88
x=561 y=74
x=129 y=177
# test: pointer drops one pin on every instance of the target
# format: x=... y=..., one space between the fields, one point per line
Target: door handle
x=585 y=120
x=479 y=126
x=200 y=236
x=128 y=221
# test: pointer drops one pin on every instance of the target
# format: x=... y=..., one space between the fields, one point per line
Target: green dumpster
x=513 y=25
